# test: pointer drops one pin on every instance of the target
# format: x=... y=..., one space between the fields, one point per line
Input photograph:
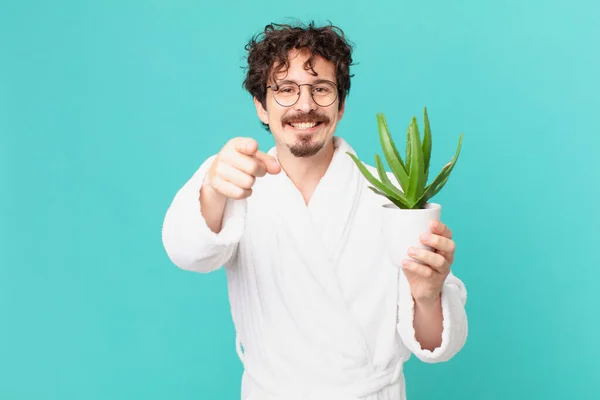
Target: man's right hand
x=236 y=167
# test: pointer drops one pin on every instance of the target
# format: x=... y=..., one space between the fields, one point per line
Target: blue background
x=107 y=108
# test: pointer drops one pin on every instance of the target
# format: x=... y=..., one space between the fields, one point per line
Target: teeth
x=304 y=125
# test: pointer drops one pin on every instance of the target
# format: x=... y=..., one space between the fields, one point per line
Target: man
x=319 y=310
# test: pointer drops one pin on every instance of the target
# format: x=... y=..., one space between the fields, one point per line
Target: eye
x=287 y=90
x=322 y=89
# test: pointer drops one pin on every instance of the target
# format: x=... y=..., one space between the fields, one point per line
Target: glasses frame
x=275 y=87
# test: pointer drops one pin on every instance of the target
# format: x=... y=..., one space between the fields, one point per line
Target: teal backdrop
x=108 y=107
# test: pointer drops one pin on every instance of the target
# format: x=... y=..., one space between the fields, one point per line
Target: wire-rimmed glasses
x=286 y=93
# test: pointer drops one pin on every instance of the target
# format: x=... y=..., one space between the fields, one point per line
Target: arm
x=441 y=325
x=212 y=208
x=428 y=323
x=189 y=241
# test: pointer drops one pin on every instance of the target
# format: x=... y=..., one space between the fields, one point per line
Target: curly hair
x=273 y=44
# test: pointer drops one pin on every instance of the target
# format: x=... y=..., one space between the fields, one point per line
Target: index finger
x=439 y=228
x=269 y=162
x=246 y=146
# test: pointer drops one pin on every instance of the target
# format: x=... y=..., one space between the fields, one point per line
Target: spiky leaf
x=426 y=144
x=389 y=192
x=435 y=186
x=408 y=147
x=453 y=163
x=391 y=153
x=397 y=202
x=416 y=181
x=384 y=177
x=430 y=189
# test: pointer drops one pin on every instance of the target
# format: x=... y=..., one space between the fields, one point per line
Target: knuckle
x=428 y=256
x=451 y=246
x=221 y=168
x=423 y=255
x=248 y=181
x=440 y=261
x=238 y=193
x=216 y=182
x=217 y=185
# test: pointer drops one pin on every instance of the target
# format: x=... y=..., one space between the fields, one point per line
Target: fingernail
x=411 y=251
x=425 y=236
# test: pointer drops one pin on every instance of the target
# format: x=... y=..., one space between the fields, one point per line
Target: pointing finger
x=269 y=162
x=247 y=146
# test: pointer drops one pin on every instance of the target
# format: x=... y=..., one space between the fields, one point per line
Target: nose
x=305 y=103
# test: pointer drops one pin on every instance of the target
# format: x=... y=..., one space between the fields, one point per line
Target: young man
x=319 y=310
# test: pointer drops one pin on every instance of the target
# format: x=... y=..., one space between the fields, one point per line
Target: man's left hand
x=427 y=278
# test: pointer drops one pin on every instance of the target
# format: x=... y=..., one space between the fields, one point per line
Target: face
x=306 y=127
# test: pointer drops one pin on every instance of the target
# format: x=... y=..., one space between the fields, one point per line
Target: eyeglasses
x=287 y=93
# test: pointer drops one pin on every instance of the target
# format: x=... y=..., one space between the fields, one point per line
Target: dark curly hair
x=273 y=44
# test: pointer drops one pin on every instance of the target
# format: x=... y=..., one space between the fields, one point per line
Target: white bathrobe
x=320 y=312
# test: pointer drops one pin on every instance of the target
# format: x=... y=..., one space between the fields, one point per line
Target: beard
x=305 y=147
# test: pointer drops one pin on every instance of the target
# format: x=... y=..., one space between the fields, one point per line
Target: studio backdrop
x=107 y=108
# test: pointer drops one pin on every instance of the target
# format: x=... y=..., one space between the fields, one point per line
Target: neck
x=306 y=172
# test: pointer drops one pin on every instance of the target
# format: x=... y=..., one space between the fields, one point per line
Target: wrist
x=210 y=199
x=428 y=301
x=207 y=191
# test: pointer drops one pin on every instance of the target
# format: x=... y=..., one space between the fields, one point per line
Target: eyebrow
x=317 y=81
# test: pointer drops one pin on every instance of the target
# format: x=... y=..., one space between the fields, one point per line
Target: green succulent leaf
x=397 y=202
x=384 y=177
x=430 y=189
x=391 y=153
x=389 y=192
x=440 y=186
x=412 y=176
x=426 y=144
x=441 y=179
x=416 y=182
x=408 y=147
x=453 y=163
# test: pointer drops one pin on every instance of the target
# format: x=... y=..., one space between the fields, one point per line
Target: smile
x=305 y=126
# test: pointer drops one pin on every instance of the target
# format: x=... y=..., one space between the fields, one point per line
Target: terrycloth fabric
x=319 y=310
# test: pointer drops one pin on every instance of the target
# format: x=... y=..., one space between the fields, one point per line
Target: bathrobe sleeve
x=187 y=239
x=455 y=326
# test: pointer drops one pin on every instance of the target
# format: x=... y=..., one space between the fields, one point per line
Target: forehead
x=298 y=70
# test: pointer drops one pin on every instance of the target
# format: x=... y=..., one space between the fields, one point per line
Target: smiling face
x=306 y=127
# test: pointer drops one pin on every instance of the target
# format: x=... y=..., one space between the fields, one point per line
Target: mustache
x=311 y=116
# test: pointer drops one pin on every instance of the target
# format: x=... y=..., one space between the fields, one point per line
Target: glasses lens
x=287 y=94
x=324 y=94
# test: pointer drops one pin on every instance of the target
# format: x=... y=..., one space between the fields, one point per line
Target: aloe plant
x=413 y=172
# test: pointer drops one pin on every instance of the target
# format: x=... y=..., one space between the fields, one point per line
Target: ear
x=341 y=111
x=261 y=112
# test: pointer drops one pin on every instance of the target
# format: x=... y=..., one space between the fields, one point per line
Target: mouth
x=305 y=127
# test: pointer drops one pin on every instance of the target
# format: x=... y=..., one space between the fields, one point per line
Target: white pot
x=402 y=228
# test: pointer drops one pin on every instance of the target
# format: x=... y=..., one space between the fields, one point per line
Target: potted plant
x=410 y=210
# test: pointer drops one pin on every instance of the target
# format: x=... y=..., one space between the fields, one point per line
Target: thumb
x=269 y=162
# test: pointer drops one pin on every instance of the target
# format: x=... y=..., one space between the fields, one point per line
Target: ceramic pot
x=402 y=228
